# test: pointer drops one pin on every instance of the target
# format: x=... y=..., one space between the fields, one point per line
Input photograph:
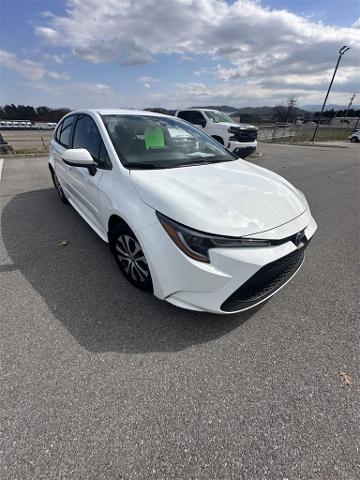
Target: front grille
x=245 y=135
x=264 y=282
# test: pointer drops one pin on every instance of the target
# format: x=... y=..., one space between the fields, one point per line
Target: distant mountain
x=254 y=111
x=264 y=110
x=329 y=106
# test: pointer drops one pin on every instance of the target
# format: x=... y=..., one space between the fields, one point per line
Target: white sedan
x=185 y=218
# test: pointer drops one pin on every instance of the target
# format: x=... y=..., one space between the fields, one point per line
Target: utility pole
x=342 y=50
x=349 y=106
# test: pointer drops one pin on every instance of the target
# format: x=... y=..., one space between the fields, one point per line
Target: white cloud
x=78 y=94
x=33 y=71
x=147 y=81
x=237 y=31
x=196 y=89
x=59 y=85
x=47 y=33
x=26 y=68
x=58 y=76
x=252 y=44
x=58 y=59
x=186 y=58
x=200 y=71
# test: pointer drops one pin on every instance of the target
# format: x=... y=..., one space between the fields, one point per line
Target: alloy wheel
x=132 y=258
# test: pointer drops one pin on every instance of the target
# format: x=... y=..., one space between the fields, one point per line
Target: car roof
x=198 y=109
x=201 y=110
x=119 y=111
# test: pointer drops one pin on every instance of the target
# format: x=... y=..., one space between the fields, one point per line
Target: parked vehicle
x=355 y=137
x=239 y=138
x=184 y=217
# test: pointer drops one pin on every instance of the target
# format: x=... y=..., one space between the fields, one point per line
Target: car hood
x=232 y=198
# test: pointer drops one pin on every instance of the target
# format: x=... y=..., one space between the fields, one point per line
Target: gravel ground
x=101 y=381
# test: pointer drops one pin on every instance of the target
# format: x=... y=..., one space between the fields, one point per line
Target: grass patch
x=24 y=151
x=324 y=134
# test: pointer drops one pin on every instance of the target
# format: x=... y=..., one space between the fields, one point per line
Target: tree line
x=284 y=113
x=33 y=114
x=338 y=113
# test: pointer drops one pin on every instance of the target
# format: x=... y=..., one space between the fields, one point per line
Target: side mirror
x=79 y=157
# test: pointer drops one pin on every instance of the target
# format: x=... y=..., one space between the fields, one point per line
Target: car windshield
x=217 y=117
x=143 y=141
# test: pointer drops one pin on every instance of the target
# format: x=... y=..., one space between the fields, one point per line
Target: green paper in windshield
x=154 y=138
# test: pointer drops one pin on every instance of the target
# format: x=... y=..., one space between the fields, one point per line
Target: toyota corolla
x=184 y=217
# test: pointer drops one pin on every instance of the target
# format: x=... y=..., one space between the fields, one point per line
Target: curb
x=17 y=155
x=308 y=144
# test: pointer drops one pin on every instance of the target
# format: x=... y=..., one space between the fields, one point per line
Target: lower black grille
x=264 y=282
x=245 y=135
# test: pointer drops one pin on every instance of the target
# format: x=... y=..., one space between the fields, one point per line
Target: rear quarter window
x=63 y=132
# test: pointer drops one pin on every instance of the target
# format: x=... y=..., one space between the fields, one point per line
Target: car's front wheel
x=130 y=257
x=354 y=139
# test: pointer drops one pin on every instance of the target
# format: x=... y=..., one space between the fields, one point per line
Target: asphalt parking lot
x=101 y=381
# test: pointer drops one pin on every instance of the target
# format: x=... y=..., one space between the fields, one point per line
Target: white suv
x=239 y=138
x=184 y=217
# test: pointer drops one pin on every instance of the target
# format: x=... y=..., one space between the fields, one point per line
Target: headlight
x=233 y=129
x=196 y=244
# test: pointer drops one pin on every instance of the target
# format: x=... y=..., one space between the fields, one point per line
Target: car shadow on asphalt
x=86 y=292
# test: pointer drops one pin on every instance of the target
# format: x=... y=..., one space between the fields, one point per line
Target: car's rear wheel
x=130 y=257
x=58 y=187
x=354 y=139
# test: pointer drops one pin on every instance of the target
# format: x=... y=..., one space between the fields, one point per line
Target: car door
x=84 y=185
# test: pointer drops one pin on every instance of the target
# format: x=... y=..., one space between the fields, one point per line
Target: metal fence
x=273 y=132
x=301 y=133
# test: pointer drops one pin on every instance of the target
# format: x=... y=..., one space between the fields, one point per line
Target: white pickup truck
x=239 y=138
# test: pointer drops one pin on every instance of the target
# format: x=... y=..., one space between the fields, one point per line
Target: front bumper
x=206 y=287
x=242 y=149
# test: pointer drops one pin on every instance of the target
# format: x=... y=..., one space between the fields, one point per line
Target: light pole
x=341 y=53
x=349 y=106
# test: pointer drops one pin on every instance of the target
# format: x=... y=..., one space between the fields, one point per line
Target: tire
x=354 y=139
x=218 y=139
x=59 y=189
x=130 y=257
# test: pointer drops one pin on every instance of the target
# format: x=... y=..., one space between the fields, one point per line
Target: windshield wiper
x=144 y=166
x=207 y=161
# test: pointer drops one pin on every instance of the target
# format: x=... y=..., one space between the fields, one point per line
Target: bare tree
x=280 y=113
x=291 y=103
x=283 y=113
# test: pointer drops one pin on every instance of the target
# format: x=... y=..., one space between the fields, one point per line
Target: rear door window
x=186 y=115
x=192 y=116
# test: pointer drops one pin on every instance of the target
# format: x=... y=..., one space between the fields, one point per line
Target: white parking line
x=1 y=166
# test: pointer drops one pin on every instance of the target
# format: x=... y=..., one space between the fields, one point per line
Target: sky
x=177 y=53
